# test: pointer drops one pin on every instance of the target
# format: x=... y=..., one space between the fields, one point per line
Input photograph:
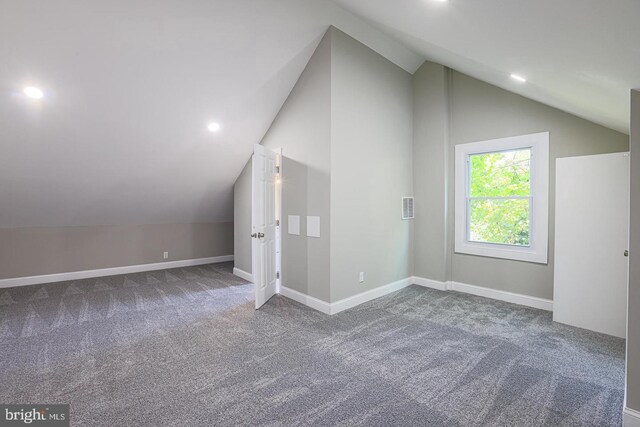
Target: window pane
x=504 y=221
x=501 y=174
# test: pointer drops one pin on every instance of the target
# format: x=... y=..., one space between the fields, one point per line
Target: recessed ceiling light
x=33 y=92
x=518 y=78
x=214 y=127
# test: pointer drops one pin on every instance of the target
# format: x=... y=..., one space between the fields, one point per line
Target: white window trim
x=539 y=239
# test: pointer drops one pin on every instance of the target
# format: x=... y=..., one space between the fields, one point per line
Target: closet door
x=591 y=242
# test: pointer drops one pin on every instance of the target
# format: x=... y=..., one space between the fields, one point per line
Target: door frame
x=278 y=205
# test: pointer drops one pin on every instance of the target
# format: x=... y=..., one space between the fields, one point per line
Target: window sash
x=470 y=198
x=508 y=150
x=468 y=221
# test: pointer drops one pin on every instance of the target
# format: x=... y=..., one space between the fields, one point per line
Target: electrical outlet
x=165 y=255
x=362 y=277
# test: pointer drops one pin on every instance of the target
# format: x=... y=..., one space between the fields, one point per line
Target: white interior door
x=264 y=223
x=592 y=235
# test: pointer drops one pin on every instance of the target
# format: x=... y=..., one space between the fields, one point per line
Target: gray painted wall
x=371 y=168
x=352 y=100
x=358 y=133
x=302 y=129
x=33 y=251
x=633 y=331
x=242 y=220
x=480 y=111
x=430 y=177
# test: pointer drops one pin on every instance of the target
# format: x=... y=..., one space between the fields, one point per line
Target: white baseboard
x=540 y=303
x=243 y=274
x=344 y=304
x=428 y=283
x=305 y=299
x=338 y=306
x=630 y=418
x=529 y=301
x=113 y=271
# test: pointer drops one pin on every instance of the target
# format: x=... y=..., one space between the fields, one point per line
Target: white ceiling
x=130 y=86
x=581 y=56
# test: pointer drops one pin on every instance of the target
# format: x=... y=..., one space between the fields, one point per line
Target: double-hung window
x=501 y=198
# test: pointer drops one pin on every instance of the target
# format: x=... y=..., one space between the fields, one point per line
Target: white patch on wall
x=293 y=224
x=313 y=226
x=407 y=208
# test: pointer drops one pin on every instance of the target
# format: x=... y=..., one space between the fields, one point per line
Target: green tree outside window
x=499 y=200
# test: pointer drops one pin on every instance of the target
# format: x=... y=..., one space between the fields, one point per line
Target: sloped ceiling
x=130 y=86
x=121 y=135
x=581 y=56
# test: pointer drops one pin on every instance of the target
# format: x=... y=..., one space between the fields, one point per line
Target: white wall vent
x=407 y=208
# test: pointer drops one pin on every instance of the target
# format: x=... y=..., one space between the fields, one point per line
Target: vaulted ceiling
x=121 y=135
x=129 y=89
x=581 y=56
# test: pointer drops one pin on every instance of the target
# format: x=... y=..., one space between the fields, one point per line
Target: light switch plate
x=293 y=224
x=313 y=226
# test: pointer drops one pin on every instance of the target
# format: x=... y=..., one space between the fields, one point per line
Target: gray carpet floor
x=185 y=347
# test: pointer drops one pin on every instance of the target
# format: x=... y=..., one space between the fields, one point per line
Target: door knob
x=254 y=235
x=260 y=235
x=626 y=253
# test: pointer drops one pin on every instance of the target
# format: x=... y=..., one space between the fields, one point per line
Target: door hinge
x=277 y=223
x=277 y=169
x=278 y=275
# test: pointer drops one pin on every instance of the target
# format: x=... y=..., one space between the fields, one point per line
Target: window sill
x=502 y=251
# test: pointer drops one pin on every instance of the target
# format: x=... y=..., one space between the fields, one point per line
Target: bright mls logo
x=34 y=415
